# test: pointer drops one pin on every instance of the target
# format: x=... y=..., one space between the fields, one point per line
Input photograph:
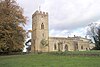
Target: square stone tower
x=40 y=32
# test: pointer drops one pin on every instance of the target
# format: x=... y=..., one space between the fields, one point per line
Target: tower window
x=42 y=26
x=43 y=34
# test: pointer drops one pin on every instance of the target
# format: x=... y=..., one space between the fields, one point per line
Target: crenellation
x=40 y=13
x=46 y=13
x=37 y=11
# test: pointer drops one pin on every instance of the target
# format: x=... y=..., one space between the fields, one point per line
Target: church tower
x=40 y=33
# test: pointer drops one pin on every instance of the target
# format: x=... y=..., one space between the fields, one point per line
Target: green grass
x=49 y=60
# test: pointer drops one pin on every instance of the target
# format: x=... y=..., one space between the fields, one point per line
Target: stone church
x=41 y=42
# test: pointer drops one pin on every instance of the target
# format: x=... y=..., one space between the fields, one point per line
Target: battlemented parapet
x=40 y=13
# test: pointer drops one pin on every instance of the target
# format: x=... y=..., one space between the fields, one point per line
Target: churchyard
x=53 y=59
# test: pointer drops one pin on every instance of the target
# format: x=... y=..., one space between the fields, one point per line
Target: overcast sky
x=66 y=17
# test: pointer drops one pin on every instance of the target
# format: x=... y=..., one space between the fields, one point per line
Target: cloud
x=65 y=16
x=69 y=33
x=29 y=6
x=57 y=33
x=71 y=14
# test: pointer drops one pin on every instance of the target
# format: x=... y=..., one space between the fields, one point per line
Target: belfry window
x=42 y=26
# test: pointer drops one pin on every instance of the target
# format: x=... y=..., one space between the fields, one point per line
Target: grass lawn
x=49 y=60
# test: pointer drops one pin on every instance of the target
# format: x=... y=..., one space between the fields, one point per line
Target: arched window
x=66 y=48
x=81 y=47
x=55 y=47
x=42 y=26
x=76 y=46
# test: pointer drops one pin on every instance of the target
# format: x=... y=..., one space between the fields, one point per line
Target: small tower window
x=43 y=34
x=42 y=26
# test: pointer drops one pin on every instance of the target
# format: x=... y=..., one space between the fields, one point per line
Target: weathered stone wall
x=72 y=45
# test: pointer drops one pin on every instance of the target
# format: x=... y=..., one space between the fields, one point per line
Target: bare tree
x=94 y=32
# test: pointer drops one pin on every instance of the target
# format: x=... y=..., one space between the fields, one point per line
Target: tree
x=12 y=34
x=94 y=32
